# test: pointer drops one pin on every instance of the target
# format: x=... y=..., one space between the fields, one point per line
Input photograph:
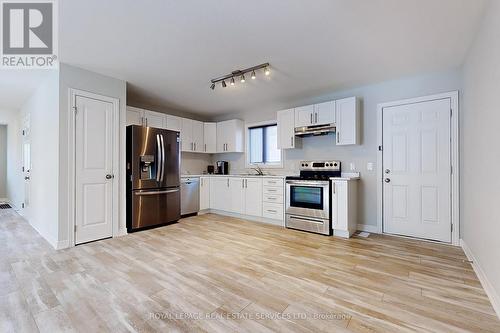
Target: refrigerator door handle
x=162 y=158
x=157 y=192
x=158 y=158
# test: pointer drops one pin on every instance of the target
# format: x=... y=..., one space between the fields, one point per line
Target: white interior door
x=93 y=169
x=417 y=170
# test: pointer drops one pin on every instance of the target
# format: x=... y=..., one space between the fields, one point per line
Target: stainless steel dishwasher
x=190 y=195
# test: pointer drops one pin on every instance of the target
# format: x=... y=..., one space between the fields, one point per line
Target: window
x=263 y=145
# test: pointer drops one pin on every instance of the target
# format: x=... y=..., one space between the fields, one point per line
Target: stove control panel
x=319 y=166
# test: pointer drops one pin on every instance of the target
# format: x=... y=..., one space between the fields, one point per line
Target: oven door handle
x=307 y=183
x=307 y=219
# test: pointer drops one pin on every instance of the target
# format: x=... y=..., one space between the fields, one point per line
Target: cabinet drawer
x=271 y=198
x=272 y=211
x=273 y=190
x=277 y=182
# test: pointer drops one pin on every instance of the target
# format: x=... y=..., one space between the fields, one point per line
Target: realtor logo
x=29 y=34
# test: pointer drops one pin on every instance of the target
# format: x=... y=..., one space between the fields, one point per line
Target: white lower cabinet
x=253 y=196
x=204 y=193
x=344 y=217
x=247 y=196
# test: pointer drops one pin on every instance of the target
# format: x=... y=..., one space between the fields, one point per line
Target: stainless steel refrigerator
x=153 y=177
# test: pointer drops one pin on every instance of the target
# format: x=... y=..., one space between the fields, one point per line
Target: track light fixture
x=241 y=74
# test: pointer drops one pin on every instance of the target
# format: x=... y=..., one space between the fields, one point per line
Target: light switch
x=369 y=166
x=353 y=167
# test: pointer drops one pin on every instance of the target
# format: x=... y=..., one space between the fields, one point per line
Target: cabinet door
x=221 y=136
x=174 y=123
x=154 y=119
x=304 y=116
x=210 y=137
x=339 y=203
x=234 y=136
x=237 y=195
x=324 y=113
x=286 y=129
x=253 y=196
x=187 y=134
x=346 y=111
x=204 y=193
x=134 y=116
x=219 y=193
x=197 y=130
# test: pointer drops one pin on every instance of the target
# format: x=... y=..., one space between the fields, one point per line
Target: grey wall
x=14 y=183
x=43 y=110
x=480 y=158
x=3 y=161
x=77 y=78
x=325 y=148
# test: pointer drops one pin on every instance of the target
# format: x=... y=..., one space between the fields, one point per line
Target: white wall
x=77 y=78
x=43 y=110
x=480 y=159
x=14 y=187
x=3 y=161
x=324 y=147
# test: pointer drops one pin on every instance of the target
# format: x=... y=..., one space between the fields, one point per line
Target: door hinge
x=452 y=228
x=75 y=228
x=24 y=132
x=76 y=109
x=451 y=112
x=380 y=148
x=22 y=205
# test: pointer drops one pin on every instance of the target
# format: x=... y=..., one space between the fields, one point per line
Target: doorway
x=95 y=158
x=418 y=161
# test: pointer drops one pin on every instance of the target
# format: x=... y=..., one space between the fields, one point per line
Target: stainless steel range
x=308 y=205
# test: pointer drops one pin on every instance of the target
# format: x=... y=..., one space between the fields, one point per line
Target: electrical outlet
x=369 y=166
x=353 y=167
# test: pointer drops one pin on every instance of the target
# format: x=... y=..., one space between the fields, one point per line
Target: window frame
x=248 y=165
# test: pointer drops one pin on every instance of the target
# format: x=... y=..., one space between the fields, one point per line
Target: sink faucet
x=258 y=170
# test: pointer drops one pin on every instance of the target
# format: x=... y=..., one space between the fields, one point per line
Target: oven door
x=308 y=198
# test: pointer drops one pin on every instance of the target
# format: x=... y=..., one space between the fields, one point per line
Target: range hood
x=315 y=130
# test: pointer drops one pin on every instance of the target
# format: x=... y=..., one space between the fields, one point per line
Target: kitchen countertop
x=242 y=175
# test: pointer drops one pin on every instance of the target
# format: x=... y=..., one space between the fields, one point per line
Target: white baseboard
x=245 y=217
x=368 y=228
x=62 y=245
x=487 y=286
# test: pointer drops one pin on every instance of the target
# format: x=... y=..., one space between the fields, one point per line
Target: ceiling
x=168 y=50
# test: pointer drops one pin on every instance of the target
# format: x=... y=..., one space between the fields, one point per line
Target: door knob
x=387 y=171
x=387 y=180
x=110 y=176
x=26 y=178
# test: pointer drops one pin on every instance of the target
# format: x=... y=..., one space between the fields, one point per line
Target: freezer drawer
x=153 y=207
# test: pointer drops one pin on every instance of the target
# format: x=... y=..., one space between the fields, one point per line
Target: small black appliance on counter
x=222 y=168
x=210 y=169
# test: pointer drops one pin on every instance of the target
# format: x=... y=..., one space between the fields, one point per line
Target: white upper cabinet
x=134 y=116
x=192 y=135
x=304 y=116
x=317 y=114
x=174 y=123
x=154 y=119
x=210 y=137
x=286 y=129
x=230 y=136
x=347 y=120
x=198 y=130
x=324 y=113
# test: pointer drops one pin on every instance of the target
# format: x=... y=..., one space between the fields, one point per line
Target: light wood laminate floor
x=219 y=274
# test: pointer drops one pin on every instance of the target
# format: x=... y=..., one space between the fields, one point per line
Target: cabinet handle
x=242 y=183
x=271 y=211
x=338 y=136
x=205 y=147
x=333 y=188
x=246 y=183
x=228 y=182
x=291 y=141
x=311 y=118
x=315 y=118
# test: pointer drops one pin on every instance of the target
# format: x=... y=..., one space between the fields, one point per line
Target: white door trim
x=73 y=93
x=455 y=165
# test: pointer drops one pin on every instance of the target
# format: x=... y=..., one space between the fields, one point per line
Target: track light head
x=253 y=75
x=232 y=81
x=212 y=86
x=267 y=71
x=242 y=79
x=224 y=85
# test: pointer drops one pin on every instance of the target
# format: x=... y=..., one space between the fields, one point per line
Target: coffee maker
x=222 y=167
